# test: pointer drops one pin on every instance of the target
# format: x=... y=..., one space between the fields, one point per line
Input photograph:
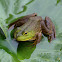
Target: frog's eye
x=25 y=32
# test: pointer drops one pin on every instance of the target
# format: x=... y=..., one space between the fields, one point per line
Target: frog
x=32 y=27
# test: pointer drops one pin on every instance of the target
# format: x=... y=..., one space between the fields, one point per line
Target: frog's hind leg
x=48 y=28
x=52 y=36
x=51 y=27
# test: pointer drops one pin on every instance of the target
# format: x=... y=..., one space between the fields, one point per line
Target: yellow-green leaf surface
x=10 y=11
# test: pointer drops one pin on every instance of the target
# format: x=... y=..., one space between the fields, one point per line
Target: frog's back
x=34 y=24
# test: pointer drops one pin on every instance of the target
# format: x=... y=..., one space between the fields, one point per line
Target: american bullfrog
x=31 y=27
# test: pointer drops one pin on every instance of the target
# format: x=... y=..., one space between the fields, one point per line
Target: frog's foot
x=33 y=44
x=51 y=36
x=48 y=28
x=37 y=40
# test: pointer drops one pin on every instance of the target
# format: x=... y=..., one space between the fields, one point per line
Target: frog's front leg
x=48 y=28
x=38 y=39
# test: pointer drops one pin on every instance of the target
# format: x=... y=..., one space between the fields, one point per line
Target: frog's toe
x=32 y=45
x=51 y=37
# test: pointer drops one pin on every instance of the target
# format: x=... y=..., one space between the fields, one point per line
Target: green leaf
x=10 y=11
x=58 y=1
x=5 y=57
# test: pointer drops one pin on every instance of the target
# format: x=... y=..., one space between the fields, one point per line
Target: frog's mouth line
x=28 y=40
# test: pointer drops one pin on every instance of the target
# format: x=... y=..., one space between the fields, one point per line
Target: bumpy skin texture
x=49 y=24
x=47 y=27
x=22 y=21
x=32 y=28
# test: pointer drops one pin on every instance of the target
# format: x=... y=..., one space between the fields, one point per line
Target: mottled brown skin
x=33 y=24
x=47 y=27
x=22 y=21
x=49 y=24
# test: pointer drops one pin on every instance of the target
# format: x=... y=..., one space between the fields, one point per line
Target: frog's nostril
x=35 y=15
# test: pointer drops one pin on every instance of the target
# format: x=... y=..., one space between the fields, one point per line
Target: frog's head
x=24 y=36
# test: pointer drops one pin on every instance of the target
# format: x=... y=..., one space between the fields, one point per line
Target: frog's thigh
x=44 y=28
x=38 y=38
x=50 y=25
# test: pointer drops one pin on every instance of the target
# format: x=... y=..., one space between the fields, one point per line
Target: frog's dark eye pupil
x=25 y=33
